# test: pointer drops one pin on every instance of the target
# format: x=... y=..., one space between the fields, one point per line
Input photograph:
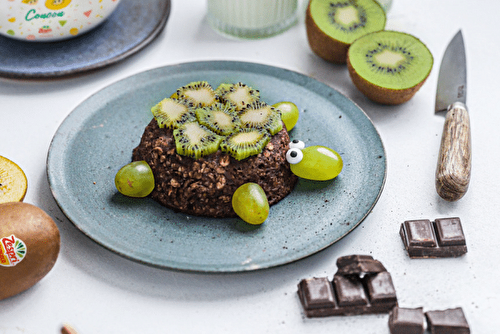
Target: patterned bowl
x=52 y=20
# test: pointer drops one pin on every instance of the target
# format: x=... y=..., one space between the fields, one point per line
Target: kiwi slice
x=200 y=93
x=260 y=115
x=172 y=113
x=245 y=143
x=333 y=25
x=13 y=182
x=389 y=67
x=195 y=140
x=219 y=117
x=238 y=94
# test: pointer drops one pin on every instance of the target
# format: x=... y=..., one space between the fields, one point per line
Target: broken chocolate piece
x=425 y=239
x=358 y=264
x=451 y=321
x=406 y=321
x=347 y=295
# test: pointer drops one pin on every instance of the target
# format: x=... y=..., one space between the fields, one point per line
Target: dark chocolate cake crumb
x=205 y=186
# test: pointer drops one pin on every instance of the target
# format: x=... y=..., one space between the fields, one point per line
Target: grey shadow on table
x=92 y=259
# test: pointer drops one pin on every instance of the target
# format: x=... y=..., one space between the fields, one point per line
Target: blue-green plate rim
x=85 y=215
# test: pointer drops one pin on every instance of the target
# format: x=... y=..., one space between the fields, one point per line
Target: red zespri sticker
x=12 y=251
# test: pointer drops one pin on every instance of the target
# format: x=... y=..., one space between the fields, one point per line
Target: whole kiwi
x=29 y=247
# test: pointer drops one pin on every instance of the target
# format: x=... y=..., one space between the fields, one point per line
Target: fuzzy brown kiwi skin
x=40 y=234
x=380 y=94
x=323 y=45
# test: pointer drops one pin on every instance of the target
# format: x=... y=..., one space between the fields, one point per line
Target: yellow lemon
x=13 y=182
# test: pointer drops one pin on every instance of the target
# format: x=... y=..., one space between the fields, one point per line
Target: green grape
x=135 y=179
x=250 y=203
x=318 y=163
x=289 y=113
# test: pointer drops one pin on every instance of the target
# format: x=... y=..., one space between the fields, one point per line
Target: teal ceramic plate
x=97 y=138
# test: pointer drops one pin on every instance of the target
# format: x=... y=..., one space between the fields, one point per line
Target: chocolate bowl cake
x=204 y=186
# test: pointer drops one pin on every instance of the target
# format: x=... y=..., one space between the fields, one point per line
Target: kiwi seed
x=333 y=25
x=389 y=67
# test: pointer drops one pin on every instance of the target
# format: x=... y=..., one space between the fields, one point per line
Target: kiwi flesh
x=239 y=94
x=333 y=25
x=389 y=67
x=172 y=113
x=260 y=115
x=35 y=241
x=195 y=140
x=220 y=118
x=245 y=143
x=230 y=118
x=200 y=93
x=13 y=181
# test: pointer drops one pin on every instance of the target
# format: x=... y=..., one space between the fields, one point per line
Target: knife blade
x=454 y=161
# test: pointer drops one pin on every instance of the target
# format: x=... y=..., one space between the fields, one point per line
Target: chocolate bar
x=451 y=321
x=425 y=239
x=358 y=264
x=358 y=287
x=406 y=321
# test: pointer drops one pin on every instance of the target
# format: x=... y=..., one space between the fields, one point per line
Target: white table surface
x=98 y=291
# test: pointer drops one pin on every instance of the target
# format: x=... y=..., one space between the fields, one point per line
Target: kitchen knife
x=454 y=161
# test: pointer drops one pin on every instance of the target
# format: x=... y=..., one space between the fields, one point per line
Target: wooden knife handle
x=454 y=161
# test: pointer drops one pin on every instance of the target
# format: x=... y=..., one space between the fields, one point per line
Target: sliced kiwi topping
x=262 y=116
x=231 y=118
x=200 y=93
x=389 y=66
x=172 y=113
x=245 y=143
x=195 y=140
x=221 y=118
x=238 y=94
x=332 y=25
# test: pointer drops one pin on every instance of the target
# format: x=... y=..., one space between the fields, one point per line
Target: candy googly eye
x=294 y=156
x=297 y=144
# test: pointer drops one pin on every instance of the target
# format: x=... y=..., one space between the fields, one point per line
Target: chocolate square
x=406 y=321
x=317 y=293
x=349 y=291
x=381 y=289
x=450 y=321
x=420 y=233
x=449 y=232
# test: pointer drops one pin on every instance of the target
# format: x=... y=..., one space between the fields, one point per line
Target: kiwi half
x=389 y=67
x=333 y=25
